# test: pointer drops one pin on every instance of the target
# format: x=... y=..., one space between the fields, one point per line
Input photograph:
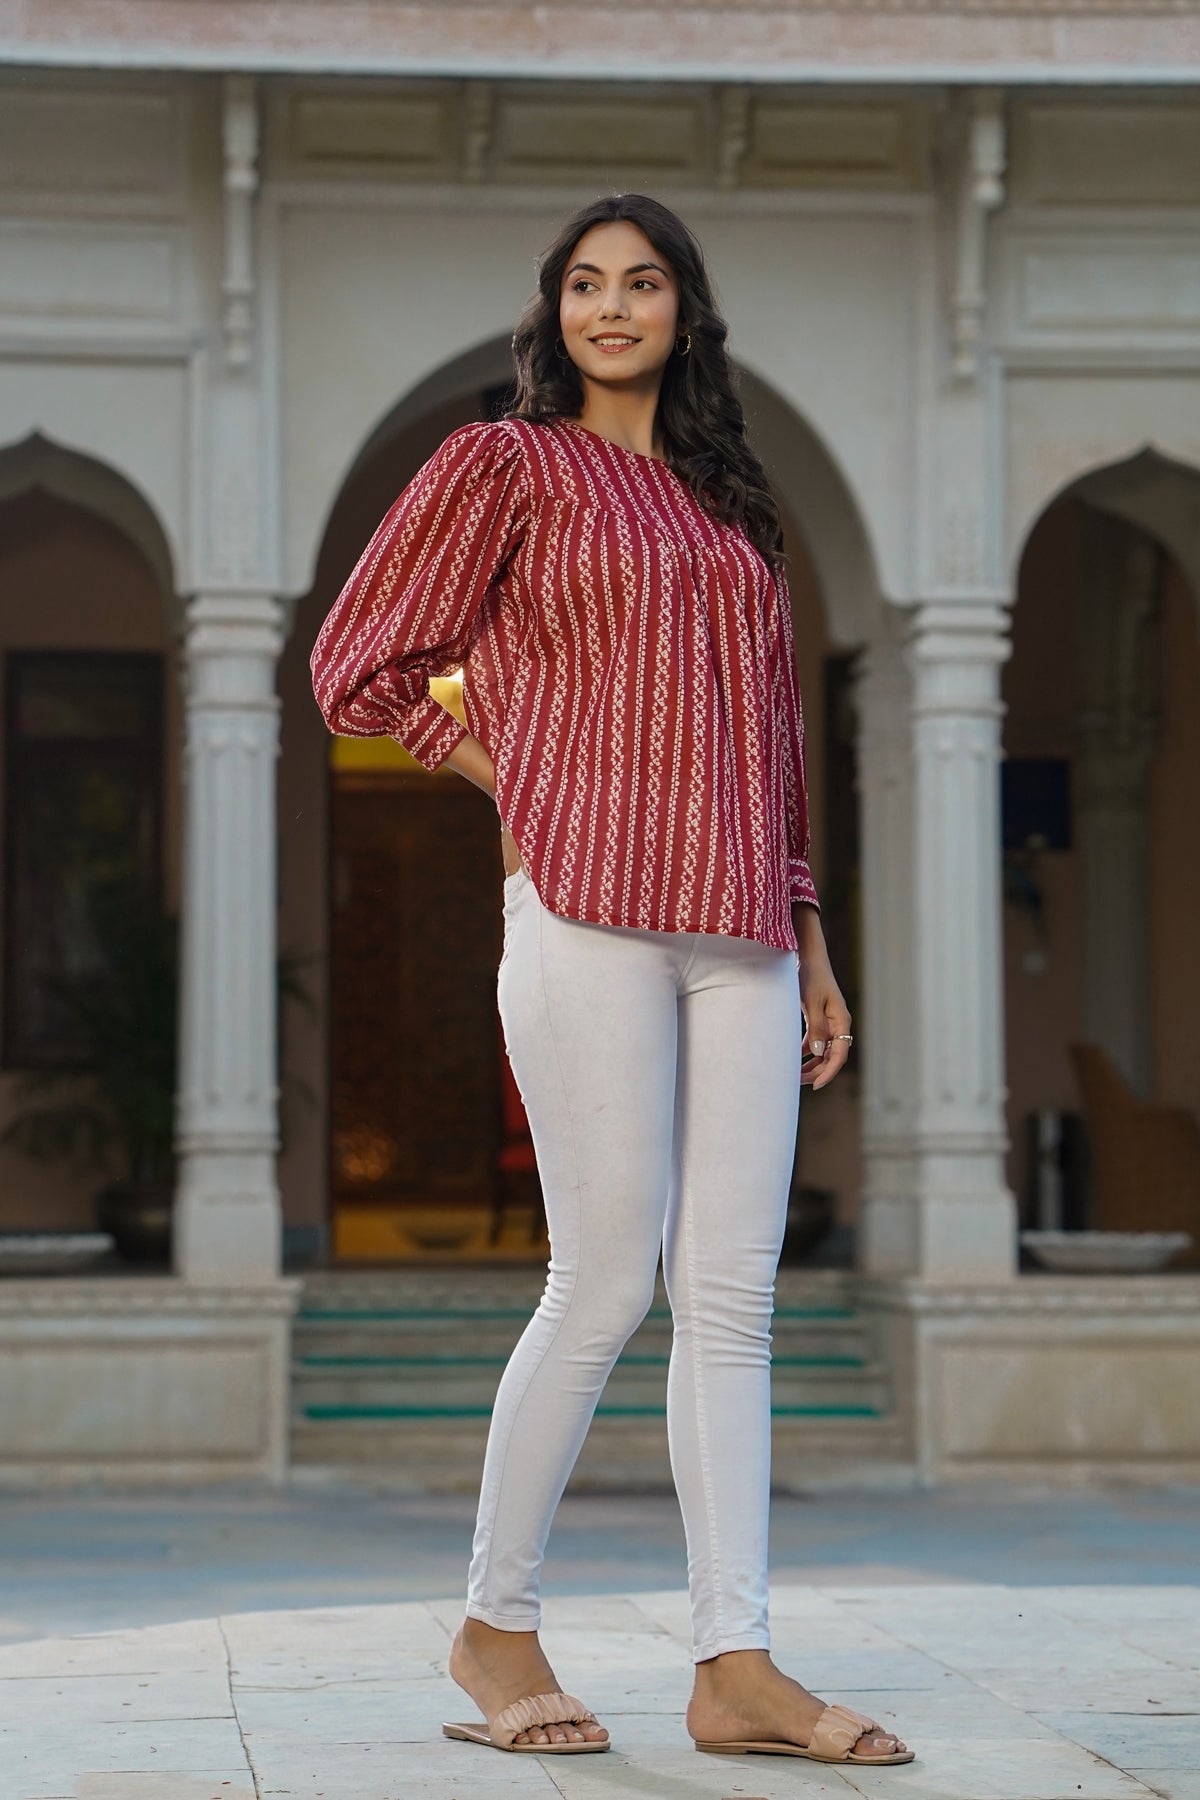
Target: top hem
x=680 y=930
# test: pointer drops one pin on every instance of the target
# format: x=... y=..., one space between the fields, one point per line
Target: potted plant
x=112 y=1111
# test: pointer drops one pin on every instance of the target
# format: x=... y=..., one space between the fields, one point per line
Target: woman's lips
x=613 y=346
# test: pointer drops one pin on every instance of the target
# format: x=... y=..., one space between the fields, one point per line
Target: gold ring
x=842 y=1037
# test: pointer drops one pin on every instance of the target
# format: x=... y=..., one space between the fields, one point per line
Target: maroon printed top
x=627 y=664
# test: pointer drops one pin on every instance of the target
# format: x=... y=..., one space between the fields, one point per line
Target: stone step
x=435 y=1336
x=395 y=1371
x=447 y=1389
x=619 y=1454
x=471 y=1288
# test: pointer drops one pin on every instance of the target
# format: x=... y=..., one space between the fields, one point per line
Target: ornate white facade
x=958 y=249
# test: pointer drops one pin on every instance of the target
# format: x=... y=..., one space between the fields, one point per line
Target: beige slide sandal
x=834 y=1736
x=527 y=1715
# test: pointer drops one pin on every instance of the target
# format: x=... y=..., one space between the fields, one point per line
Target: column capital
x=955 y=651
x=976 y=629
x=234 y=612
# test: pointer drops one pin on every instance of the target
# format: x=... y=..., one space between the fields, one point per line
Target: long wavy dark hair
x=703 y=425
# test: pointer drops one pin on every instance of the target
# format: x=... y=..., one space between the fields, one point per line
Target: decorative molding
x=980 y=192
x=66 y=1299
x=479 y=127
x=1140 y=42
x=240 y=140
x=1160 y=1298
x=1140 y=154
x=882 y=9
x=64 y=142
x=719 y=137
x=733 y=134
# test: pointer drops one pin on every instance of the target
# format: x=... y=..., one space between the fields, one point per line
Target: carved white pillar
x=888 y=1238
x=1116 y=732
x=935 y=1203
x=227 y=1206
x=967 y=1214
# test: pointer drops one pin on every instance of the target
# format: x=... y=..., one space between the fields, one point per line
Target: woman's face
x=619 y=305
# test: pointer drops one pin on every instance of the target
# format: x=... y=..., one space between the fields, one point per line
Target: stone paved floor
x=70 y=1564
x=1076 y=1693
x=1030 y=1647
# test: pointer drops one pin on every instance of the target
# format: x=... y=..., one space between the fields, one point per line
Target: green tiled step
x=637 y=1383
x=797 y=1332
x=454 y=1359
x=397 y=1371
x=602 y=1412
x=428 y=1314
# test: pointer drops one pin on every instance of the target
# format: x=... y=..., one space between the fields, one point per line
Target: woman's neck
x=628 y=417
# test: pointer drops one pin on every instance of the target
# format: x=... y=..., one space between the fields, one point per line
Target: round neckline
x=642 y=455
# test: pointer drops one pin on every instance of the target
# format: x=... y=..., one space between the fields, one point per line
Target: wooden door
x=417 y=929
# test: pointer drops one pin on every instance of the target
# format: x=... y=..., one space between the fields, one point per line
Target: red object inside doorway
x=516 y=1143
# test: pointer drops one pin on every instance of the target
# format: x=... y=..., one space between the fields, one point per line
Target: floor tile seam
x=1045 y=1719
x=251 y=1771
x=1107 y=1763
x=1119 y=1632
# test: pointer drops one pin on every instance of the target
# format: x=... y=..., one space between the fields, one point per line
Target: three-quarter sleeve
x=789 y=731
x=413 y=604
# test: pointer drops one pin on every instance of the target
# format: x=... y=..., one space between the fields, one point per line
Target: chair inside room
x=1145 y=1156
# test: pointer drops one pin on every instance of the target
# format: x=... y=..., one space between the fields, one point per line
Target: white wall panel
x=88 y=271
x=374 y=301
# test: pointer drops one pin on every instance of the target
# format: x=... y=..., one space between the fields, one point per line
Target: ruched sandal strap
x=837 y=1731
x=535 y=1711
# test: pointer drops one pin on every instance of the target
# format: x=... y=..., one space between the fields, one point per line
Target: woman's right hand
x=469 y=758
x=512 y=853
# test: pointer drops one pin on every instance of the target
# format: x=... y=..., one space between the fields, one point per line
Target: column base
x=228 y=1219
x=939 y=1225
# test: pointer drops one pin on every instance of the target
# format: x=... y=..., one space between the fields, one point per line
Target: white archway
x=39 y=463
x=1129 y=542
x=807 y=479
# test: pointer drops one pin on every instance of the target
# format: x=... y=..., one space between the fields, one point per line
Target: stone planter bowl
x=51 y=1253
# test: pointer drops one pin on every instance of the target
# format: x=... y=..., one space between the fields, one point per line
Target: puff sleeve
x=413 y=604
x=789 y=734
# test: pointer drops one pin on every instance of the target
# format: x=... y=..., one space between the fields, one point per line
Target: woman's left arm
x=825 y=1010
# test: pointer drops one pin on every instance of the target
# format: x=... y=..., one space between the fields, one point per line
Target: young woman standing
x=605 y=565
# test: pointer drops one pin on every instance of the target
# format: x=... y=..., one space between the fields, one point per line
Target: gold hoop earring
x=687 y=345
x=561 y=353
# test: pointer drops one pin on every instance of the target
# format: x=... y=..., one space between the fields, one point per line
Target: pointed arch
x=810 y=484
x=40 y=463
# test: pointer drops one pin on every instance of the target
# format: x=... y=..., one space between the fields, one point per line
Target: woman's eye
x=579 y=284
x=642 y=282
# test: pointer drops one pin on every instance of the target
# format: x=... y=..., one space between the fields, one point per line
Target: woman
x=605 y=565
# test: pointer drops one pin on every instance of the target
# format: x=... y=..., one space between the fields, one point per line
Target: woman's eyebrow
x=637 y=269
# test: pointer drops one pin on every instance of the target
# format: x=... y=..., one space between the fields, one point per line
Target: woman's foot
x=498 y=1667
x=743 y=1695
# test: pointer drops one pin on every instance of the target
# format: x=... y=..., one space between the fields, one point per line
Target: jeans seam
x=701 y=1431
x=575 y=1282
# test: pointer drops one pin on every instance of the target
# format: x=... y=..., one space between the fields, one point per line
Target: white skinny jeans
x=660 y=1073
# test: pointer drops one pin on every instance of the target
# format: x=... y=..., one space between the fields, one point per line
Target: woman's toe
x=879 y=1743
